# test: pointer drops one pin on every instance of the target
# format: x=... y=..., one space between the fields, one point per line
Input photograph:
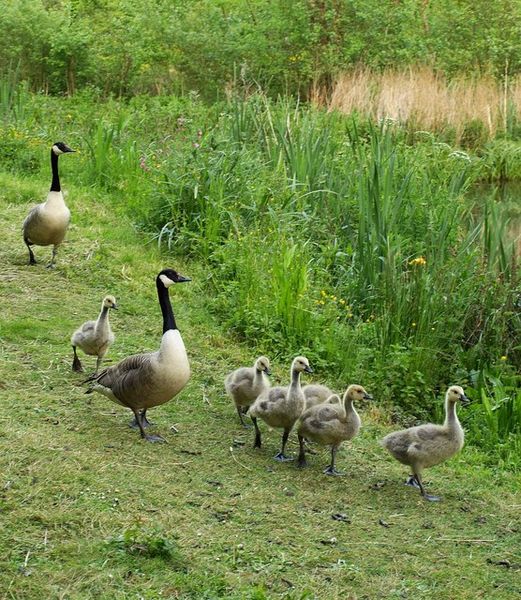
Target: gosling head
x=262 y=364
x=356 y=392
x=301 y=363
x=110 y=302
x=168 y=277
x=61 y=148
x=456 y=394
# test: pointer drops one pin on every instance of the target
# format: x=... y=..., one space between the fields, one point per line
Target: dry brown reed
x=424 y=99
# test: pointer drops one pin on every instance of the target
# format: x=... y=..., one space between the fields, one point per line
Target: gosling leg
x=98 y=362
x=330 y=469
x=281 y=455
x=144 y=435
x=52 y=264
x=428 y=497
x=240 y=412
x=258 y=442
x=302 y=463
x=32 y=260
x=76 y=362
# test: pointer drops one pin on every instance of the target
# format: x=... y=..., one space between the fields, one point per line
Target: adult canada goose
x=47 y=222
x=245 y=384
x=94 y=337
x=281 y=406
x=331 y=423
x=315 y=393
x=428 y=445
x=145 y=380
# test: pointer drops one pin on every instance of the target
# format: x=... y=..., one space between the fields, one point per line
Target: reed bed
x=424 y=99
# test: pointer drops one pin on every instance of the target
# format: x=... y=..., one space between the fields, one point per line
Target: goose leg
x=76 y=363
x=302 y=453
x=32 y=260
x=281 y=456
x=52 y=264
x=428 y=497
x=240 y=412
x=258 y=442
x=144 y=435
x=146 y=423
x=331 y=470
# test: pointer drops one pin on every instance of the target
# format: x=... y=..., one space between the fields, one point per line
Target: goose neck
x=295 y=378
x=451 y=418
x=55 y=184
x=166 y=307
x=104 y=314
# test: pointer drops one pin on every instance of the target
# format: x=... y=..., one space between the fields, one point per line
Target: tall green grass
x=354 y=242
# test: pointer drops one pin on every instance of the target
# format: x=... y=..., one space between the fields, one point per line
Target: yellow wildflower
x=419 y=261
x=503 y=357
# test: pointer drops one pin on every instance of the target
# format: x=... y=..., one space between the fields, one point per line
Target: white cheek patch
x=167 y=282
x=56 y=150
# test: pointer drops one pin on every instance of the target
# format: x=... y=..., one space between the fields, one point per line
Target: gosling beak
x=465 y=400
x=115 y=306
x=308 y=369
x=182 y=279
x=367 y=396
x=267 y=371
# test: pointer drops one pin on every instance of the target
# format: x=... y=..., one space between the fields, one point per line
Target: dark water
x=507 y=196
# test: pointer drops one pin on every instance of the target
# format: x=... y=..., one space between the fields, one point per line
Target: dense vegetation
x=126 y=47
x=360 y=244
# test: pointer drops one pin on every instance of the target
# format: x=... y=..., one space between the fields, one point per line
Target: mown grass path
x=90 y=511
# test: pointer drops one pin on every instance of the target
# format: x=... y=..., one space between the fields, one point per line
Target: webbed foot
x=155 y=439
x=329 y=470
x=77 y=366
x=431 y=498
x=282 y=457
x=411 y=480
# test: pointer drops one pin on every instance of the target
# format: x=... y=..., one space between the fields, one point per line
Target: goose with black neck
x=142 y=381
x=47 y=223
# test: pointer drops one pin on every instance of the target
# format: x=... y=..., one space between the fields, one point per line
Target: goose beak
x=182 y=279
x=308 y=369
x=368 y=397
x=69 y=149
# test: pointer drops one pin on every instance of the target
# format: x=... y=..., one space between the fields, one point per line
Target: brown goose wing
x=130 y=380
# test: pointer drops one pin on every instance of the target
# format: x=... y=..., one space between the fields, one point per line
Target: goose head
x=110 y=302
x=356 y=392
x=262 y=364
x=168 y=277
x=61 y=148
x=299 y=364
x=456 y=394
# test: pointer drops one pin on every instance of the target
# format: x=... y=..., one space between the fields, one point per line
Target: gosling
x=94 y=337
x=331 y=423
x=281 y=406
x=428 y=445
x=245 y=384
x=315 y=393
